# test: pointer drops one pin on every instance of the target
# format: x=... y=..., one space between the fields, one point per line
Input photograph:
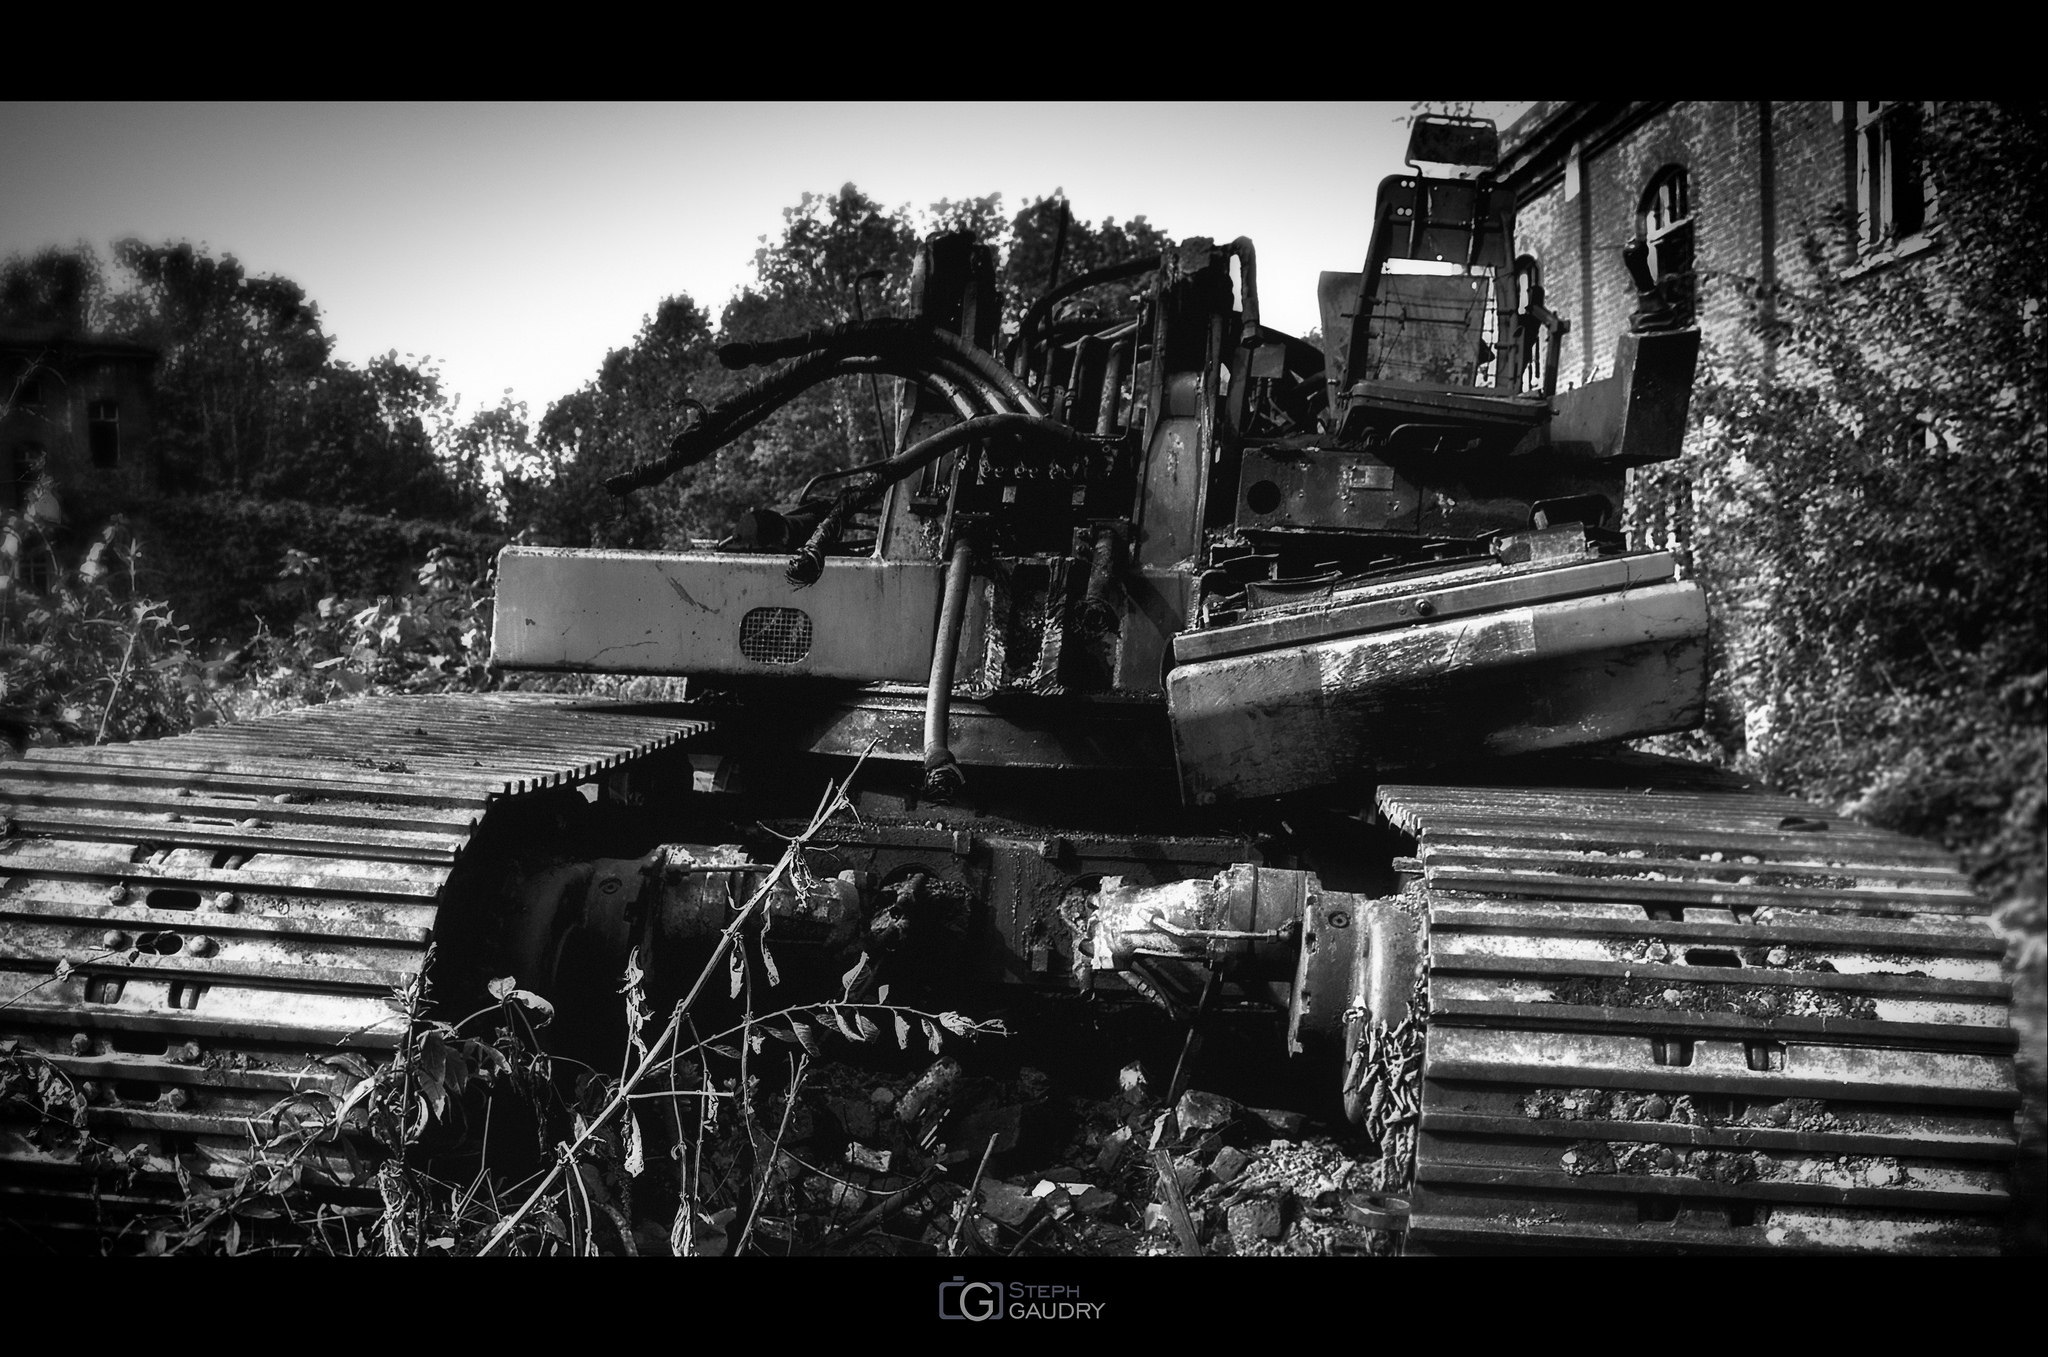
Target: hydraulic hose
x=728 y=420
x=884 y=334
x=1042 y=308
x=808 y=563
x=943 y=777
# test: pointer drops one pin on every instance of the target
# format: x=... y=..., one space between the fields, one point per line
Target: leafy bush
x=1861 y=497
x=435 y=637
x=88 y=657
x=224 y=563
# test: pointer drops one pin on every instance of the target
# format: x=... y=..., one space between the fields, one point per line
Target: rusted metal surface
x=1661 y=1021
x=1446 y=592
x=192 y=929
x=1545 y=675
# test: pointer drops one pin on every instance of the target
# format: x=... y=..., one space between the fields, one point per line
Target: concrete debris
x=1070 y=1175
x=1112 y=1152
x=1007 y=1203
x=1228 y=1164
x=1096 y=1202
x=873 y=1161
x=1281 y=1124
x=1260 y=1218
x=1197 y=1111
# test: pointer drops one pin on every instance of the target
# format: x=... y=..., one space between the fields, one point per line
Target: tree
x=236 y=351
x=56 y=289
x=1034 y=238
x=840 y=257
x=637 y=402
x=250 y=400
x=493 y=445
x=366 y=438
x=829 y=247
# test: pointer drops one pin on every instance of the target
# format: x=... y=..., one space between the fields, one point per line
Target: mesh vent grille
x=775 y=635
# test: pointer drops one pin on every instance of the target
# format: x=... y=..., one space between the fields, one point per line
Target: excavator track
x=194 y=930
x=1700 y=1021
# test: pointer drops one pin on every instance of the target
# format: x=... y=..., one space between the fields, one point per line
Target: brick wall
x=1812 y=178
x=1722 y=145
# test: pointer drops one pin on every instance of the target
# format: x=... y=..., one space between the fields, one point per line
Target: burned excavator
x=1191 y=666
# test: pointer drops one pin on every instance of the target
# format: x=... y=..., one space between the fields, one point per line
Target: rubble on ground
x=878 y=1162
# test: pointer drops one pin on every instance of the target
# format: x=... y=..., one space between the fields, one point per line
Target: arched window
x=1528 y=324
x=1667 y=201
x=1665 y=221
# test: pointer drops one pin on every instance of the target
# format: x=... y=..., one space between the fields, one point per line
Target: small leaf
x=636 y=1152
x=882 y=995
x=931 y=1036
x=353 y=1064
x=958 y=1025
x=543 y=1010
x=362 y=1090
x=736 y=965
x=502 y=986
x=729 y=1052
x=850 y=983
x=768 y=964
x=805 y=1036
x=868 y=1030
x=902 y=1031
x=846 y=1029
x=485 y=1060
x=755 y=1041
x=679 y=1232
x=427 y=1072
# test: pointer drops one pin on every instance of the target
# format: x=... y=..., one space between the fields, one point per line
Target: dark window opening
x=1665 y=222
x=1892 y=192
x=103 y=432
x=1529 y=355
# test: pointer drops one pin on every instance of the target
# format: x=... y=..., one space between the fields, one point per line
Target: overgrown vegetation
x=1861 y=495
x=91 y=657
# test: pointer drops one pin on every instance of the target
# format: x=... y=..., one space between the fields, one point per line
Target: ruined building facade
x=1723 y=192
x=77 y=407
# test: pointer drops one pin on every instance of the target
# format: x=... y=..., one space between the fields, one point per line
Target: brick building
x=1726 y=194
x=78 y=406
x=1721 y=190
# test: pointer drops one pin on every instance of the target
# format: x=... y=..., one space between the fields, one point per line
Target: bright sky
x=516 y=244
